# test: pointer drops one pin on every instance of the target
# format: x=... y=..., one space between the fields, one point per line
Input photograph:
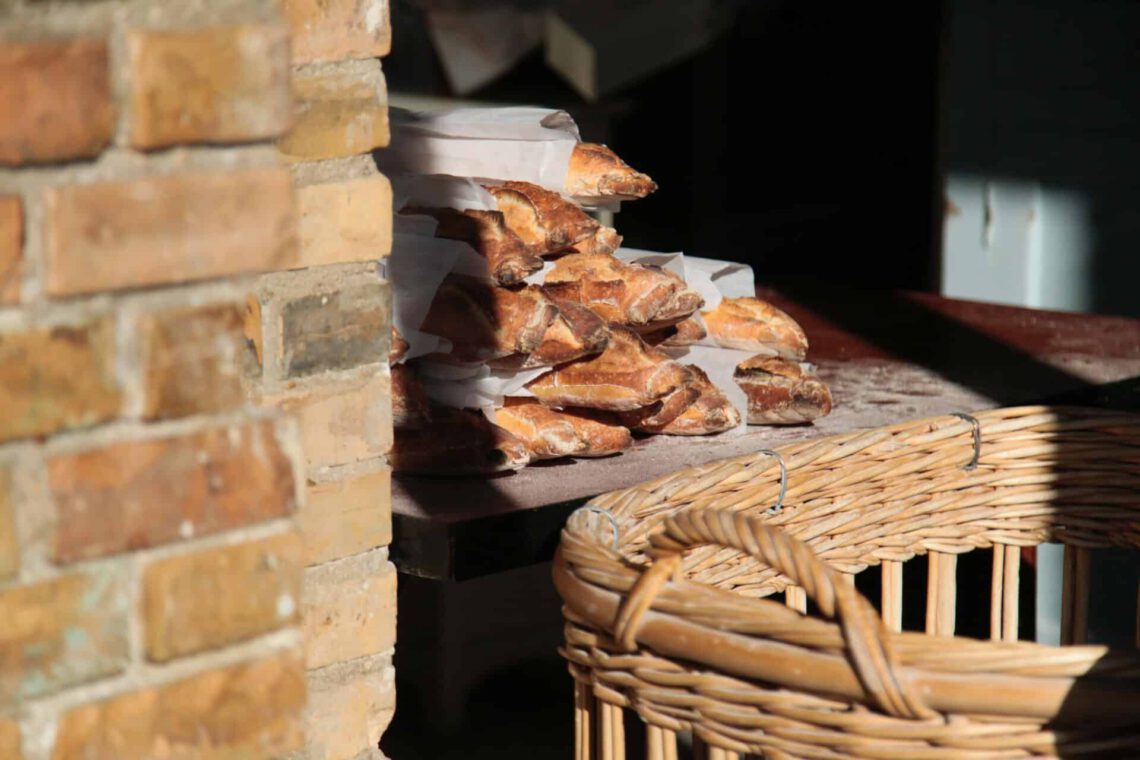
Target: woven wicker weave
x=664 y=615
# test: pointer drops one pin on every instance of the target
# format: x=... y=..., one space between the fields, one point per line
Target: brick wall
x=193 y=490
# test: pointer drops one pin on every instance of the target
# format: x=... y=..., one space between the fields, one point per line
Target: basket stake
x=1011 y=590
x=892 y=594
x=941 y=593
x=997 y=595
x=1075 y=596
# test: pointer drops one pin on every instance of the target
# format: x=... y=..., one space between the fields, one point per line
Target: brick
x=56 y=100
x=343 y=111
x=349 y=608
x=58 y=378
x=120 y=497
x=10 y=739
x=347 y=517
x=192 y=360
x=217 y=84
x=208 y=599
x=349 y=708
x=334 y=30
x=347 y=328
x=342 y=426
x=252 y=710
x=155 y=230
x=345 y=221
x=62 y=632
x=9 y=545
x=11 y=248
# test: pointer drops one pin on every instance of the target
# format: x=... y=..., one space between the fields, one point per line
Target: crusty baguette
x=486 y=322
x=711 y=412
x=688 y=331
x=575 y=332
x=642 y=297
x=457 y=442
x=749 y=324
x=544 y=220
x=509 y=259
x=595 y=172
x=602 y=240
x=627 y=375
x=398 y=349
x=782 y=392
x=410 y=405
x=651 y=418
x=549 y=433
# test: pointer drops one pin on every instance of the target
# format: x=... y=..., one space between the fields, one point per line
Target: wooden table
x=887 y=356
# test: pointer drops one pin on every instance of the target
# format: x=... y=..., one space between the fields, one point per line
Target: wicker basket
x=662 y=585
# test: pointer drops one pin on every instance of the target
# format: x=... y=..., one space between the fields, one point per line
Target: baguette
x=650 y=419
x=643 y=297
x=711 y=412
x=457 y=442
x=575 y=332
x=749 y=324
x=549 y=434
x=782 y=392
x=544 y=220
x=410 y=405
x=485 y=322
x=603 y=240
x=688 y=331
x=627 y=375
x=596 y=173
x=398 y=348
x=509 y=259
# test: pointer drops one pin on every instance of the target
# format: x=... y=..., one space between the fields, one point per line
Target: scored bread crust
x=509 y=259
x=782 y=392
x=651 y=418
x=550 y=433
x=749 y=324
x=627 y=375
x=596 y=172
x=457 y=442
x=545 y=221
x=573 y=333
x=603 y=240
x=711 y=412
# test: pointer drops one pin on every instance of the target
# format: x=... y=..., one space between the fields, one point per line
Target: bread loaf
x=749 y=324
x=643 y=297
x=457 y=442
x=410 y=405
x=782 y=392
x=627 y=375
x=688 y=331
x=603 y=240
x=710 y=412
x=596 y=173
x=485 y=322
x=398 y=348
x=549 y=434
x=544 y=220
x=650 y=419
x=575 y=332
x=509 y=259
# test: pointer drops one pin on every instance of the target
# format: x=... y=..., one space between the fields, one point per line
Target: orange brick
x=192 y=360
x=136 y=494
x=347 y=517
x=62 y=633
x=208 y=599
x=343 y=111
x=217 y=84
x=11 y=248
x=253 y=710
x=56 y=100
x=10 y=739
x=155 y=230
x=333 y=30
x=9 y=545
x=349 y=609
x=342 y=426
x=58 y=378
x=349 y=708
x=345 y=221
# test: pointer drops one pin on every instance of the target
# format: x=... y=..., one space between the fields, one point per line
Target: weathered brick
x=154 y=230
x=343 y=111
x=345 y=221
x=349 y=707
x=62 y=632
x=347 y=328
x=192 y=360
x=216 y=84
x=252 y=710
x=9 y=545
x=194 y=602
x=58 y=378
x=10 y=739
x=347 y=517
x=349 y=608
x=56 y=100
x=135 y=494
x=11 y=248
x=333 y=30
x=341 y=426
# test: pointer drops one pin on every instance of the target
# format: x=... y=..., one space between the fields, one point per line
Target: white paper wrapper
x=473 y=386
x=439 y=191
x=521 y=143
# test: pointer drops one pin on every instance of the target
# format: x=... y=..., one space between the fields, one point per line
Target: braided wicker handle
x=867 y=641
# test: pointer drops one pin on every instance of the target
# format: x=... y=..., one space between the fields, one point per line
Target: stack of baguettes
x=603 y=327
